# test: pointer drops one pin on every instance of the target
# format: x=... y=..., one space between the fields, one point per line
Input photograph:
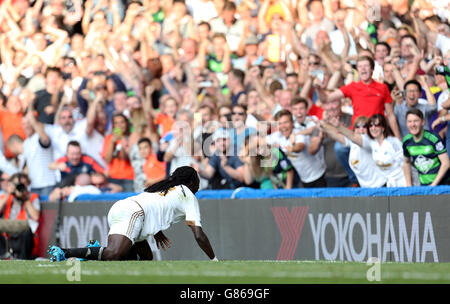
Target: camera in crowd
x=21 y=188
x=20 y=181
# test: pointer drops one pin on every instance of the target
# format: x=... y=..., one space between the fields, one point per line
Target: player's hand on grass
x=162 y=242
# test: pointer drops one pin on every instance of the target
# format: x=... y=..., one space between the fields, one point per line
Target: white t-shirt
x=442 y=98
x=309 y=167
x=79 y=190
x=201 y=10
x=443 y=43
x=389 y=158
x=180 y=157
x=90 y=145
x=161 y=211
x=338 y=44
x=366 y=171
x=60 y=138
x=37 y=159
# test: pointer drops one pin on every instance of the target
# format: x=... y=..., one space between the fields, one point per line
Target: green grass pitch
x=223 y=272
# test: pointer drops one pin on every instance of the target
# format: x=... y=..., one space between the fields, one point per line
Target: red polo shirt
x=367 y=99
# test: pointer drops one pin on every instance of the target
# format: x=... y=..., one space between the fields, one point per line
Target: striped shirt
x=37 y=158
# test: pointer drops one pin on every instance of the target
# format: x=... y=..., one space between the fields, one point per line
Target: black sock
x=89 y=253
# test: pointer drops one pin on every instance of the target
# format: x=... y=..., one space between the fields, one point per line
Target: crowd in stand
x=106 y=96
x=112 y=96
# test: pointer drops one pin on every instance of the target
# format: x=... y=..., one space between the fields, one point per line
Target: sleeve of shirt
x=442 y=43
x=398 y=149
x=36 y=204
x=6 y=166
x=439 y=146
x=300 y=138
x=442 y=97
x=105 y=145
x=269 y=139
x=346 y=90
x=405 y=150
x=348 y=142
x=284 y=164
x=387 y=94
x=214 y=161
x=119 y=83
x=236 y=162
x=82 y=103
x=48 y=128
x=366 y=141
x=192 y=211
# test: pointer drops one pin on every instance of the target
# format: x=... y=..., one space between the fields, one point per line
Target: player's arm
x=162 y=241
x=203 y=241
x=442 y=169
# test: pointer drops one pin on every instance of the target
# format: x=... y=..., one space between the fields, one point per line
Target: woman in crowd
x=115 y=152
x=360 y=159
x=387 y=151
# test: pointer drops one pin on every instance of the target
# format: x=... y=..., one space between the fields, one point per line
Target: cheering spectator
x=115 y=153
x=230 y=169
x=148 y=170
x=386 y=149
x=36 y=153
x=431 y=162
x=74 y=162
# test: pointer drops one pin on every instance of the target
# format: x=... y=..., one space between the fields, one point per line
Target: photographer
x=20 y=218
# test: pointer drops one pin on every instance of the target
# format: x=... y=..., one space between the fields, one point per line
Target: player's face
x=414 y=124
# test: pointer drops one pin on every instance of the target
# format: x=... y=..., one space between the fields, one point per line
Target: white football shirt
x=161 y=210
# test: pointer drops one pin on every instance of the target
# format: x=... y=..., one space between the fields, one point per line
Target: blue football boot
x=56 y=254
x=91 y=243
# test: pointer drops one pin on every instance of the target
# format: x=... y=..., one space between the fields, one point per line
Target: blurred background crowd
x=107 y=96
x=113 y=95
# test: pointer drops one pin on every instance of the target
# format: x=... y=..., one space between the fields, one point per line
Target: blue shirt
x=232 y=161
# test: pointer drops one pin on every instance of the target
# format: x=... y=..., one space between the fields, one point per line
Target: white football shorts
x=126 y=218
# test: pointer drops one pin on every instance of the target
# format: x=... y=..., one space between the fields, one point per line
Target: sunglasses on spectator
x=314 y=63
x=360 y=125
x=98 y=88
x=374 y=124
x=98 y=185
x=238 y=113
